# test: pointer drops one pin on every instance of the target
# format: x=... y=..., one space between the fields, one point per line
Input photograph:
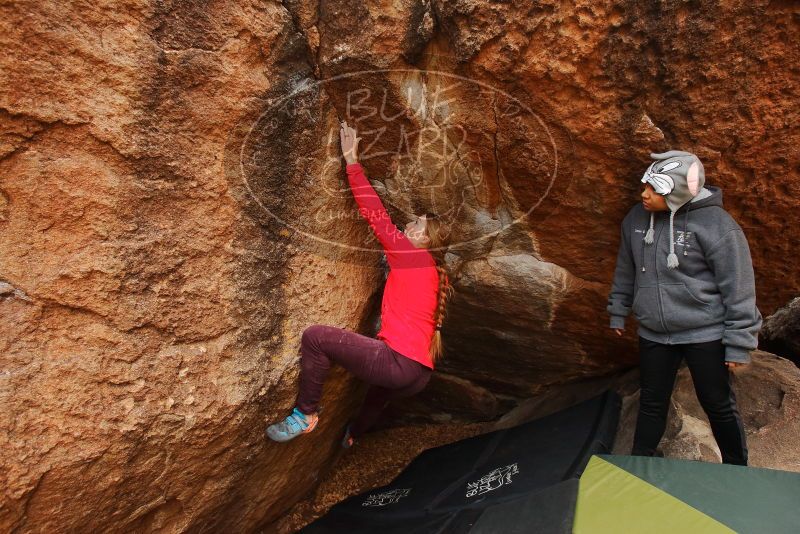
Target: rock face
x=781 y=332
x=173 y=215
x=152 y=315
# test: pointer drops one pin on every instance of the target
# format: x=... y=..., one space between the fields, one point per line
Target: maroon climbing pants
x=390 y=374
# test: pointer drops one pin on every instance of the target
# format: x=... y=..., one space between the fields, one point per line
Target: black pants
x=712 y=383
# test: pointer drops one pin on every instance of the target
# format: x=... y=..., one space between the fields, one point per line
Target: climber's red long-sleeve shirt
x=411 y=293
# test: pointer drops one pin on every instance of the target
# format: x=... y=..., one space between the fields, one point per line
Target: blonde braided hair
x=438 y=233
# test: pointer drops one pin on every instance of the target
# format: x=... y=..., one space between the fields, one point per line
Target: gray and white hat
x=678 y=176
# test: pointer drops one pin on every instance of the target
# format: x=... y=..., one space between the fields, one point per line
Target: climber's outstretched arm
x=394 y=242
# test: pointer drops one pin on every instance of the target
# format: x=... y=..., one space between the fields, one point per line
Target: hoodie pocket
x=682 y=310
x=645 y=308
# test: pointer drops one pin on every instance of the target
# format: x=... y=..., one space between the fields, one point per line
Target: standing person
x=698 y=305
x=400 y=361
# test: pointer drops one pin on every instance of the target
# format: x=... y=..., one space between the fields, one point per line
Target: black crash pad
x=503 y=481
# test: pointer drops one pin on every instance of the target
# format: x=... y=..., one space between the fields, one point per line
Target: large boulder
x=151 y=311
x=173 y=214
x=781 y=332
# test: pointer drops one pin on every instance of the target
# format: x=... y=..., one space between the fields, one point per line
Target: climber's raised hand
x=347 y=136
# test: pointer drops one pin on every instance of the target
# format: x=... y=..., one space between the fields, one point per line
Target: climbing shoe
x=347 y=440
x=297 y=423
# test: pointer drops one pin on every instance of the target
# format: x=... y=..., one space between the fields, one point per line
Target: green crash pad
x=653 y=495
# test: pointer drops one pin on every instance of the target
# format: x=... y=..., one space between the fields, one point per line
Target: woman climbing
x=699 y=306
x=400 y=361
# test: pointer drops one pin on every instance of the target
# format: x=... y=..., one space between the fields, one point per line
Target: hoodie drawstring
x=648 y=237
x=672 y=258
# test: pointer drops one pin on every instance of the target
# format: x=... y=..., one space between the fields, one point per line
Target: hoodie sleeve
x=621 y=297
x=729 y=259
x=400 y=252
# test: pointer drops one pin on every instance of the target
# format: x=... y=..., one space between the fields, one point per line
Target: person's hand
x=347 y=136
x=618 y=331
x=732 y=366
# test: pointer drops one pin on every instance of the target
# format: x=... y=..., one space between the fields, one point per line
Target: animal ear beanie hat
x=678 y=176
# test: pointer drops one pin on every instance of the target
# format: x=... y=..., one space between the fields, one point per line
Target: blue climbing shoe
x=291 y=427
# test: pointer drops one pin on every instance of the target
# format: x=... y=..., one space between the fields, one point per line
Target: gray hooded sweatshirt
x=708 y=295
